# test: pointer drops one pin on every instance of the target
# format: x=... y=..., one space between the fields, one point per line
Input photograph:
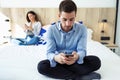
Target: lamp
x=103 y=22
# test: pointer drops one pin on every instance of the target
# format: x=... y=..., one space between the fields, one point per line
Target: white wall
x=55 y=3
x=118 y=30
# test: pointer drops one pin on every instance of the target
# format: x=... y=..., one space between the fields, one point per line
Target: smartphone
x=69 y=55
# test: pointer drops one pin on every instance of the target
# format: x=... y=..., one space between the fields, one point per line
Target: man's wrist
x=55 y=58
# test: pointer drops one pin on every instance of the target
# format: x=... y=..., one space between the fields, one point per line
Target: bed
x=20 y=62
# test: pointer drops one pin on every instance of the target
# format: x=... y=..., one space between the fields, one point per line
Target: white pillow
x=89 y=34
x=46 y=28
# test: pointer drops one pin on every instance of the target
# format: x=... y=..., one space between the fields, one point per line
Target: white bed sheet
x=110 y=61
x=20 y=62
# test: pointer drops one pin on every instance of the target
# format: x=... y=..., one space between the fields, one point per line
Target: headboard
x=91 y=17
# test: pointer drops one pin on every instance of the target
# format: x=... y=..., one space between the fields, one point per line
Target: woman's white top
x=36 y=27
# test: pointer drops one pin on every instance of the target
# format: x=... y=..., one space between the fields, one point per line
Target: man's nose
x=67 y=23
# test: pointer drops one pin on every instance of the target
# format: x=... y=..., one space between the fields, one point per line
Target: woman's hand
x=28 y=27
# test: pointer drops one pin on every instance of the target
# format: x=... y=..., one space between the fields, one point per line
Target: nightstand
x=105 y=40
x=111 y=46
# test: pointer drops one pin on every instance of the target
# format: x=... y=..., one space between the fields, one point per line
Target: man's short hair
x=67 y=6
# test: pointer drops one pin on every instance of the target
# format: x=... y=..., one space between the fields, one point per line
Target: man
x=66 y=48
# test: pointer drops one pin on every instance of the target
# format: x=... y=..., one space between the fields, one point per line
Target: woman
x=31 y=28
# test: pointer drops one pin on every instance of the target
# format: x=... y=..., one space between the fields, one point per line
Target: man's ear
x=59 y=15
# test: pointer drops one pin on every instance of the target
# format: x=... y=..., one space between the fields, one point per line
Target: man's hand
x=71 y=60
x=62 y=59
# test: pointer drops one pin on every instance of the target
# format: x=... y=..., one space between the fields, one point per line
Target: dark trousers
x=63 y=71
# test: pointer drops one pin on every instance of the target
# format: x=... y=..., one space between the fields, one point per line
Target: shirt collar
x=59 y=27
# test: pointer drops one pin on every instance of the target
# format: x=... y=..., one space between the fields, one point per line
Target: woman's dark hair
x=67 y=6
x=32 y=12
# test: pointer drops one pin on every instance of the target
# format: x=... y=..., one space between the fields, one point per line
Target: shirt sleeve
x=81 y=48
x=51 y=47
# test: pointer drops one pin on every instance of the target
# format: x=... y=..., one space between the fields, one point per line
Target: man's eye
x=71 y=19
x=64 y=19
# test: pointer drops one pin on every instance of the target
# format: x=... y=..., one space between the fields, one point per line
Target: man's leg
x=90 y=76
x=85 y=71
x=58 y=72
x=91 y=63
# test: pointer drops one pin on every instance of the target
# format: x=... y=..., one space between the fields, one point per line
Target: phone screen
x=69 y=55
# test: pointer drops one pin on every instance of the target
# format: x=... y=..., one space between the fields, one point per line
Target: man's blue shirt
x=66 y=42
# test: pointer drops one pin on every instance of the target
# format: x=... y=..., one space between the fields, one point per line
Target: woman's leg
x=17 y=41
x=32 y=41
x=20 y=39
x=58 y=72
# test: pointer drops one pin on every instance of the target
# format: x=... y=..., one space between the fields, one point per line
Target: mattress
x=20 y=62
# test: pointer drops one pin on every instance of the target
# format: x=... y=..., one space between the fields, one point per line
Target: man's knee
x=97 y=62
x=94 y=61
x=42 y=66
